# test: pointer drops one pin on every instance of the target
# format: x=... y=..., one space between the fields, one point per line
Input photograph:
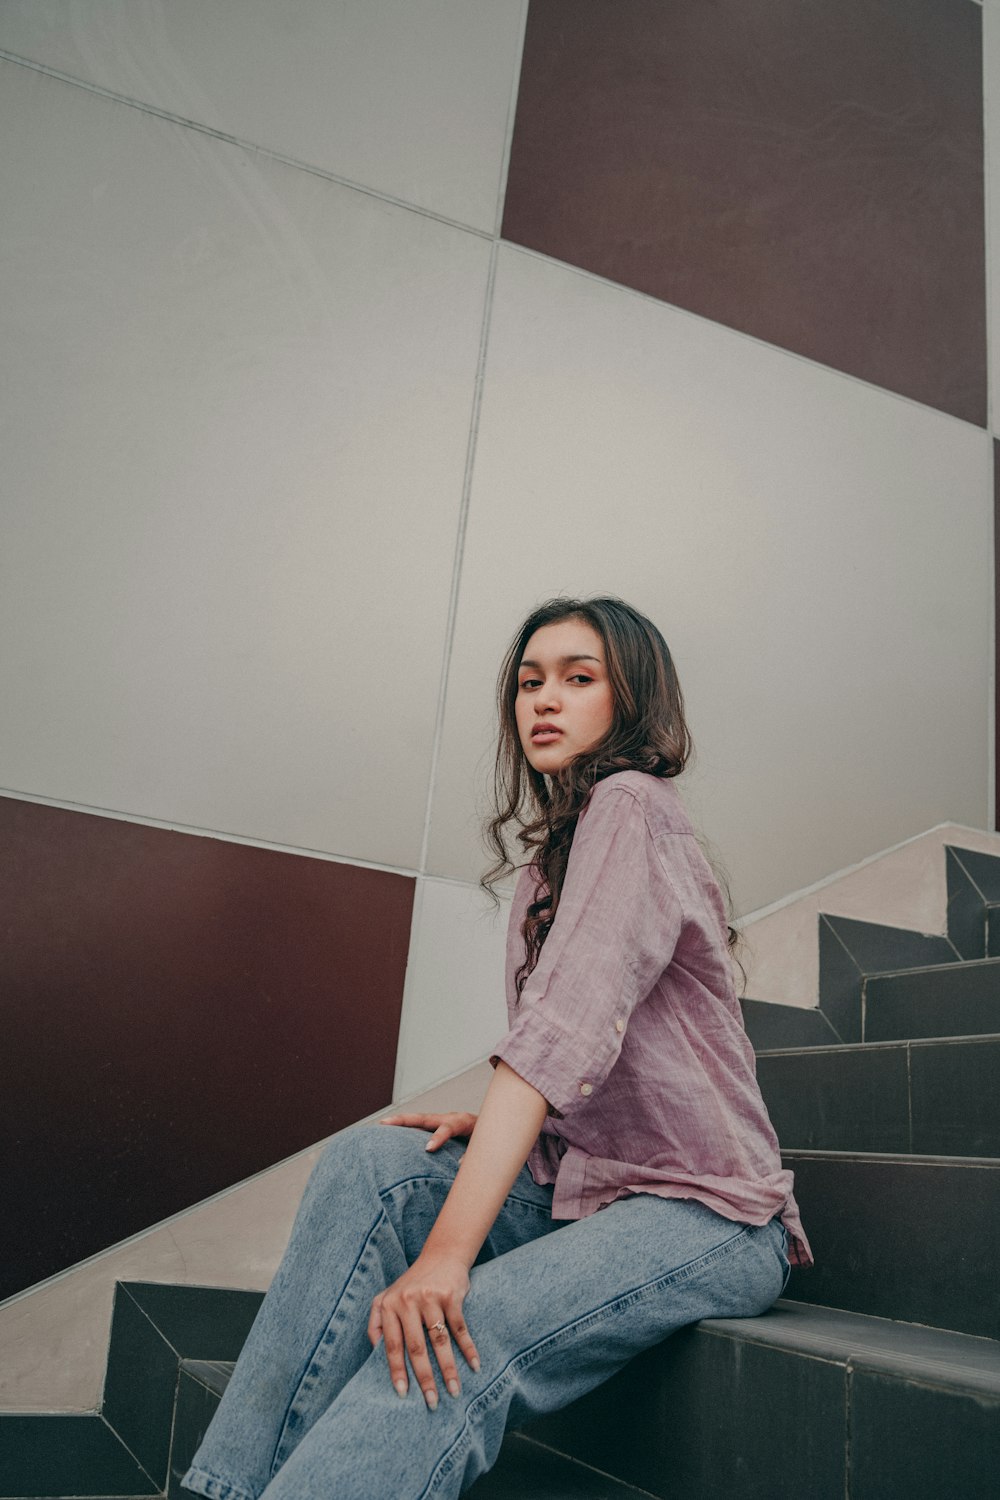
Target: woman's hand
x=426 y=1301
x=455 y=1123
x=418 y=1310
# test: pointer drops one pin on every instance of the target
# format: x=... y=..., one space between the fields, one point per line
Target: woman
x=622 y=1178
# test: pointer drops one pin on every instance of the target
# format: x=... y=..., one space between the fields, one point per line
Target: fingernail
x=453 y=1387
x=474 y=1362
x=431 y=1397
x=400 y=1387
x=428 y=1146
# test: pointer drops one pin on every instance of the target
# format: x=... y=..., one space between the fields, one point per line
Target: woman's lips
x=545 y=736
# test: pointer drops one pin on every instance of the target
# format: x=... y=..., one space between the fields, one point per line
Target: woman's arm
x=434 y=1288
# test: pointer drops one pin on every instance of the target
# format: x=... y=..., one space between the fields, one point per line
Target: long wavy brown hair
x=648 y=733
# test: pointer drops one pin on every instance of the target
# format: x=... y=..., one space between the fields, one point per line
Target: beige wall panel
x=409 y=97
x=991 y=89
x=815 y=550
x=904 y=887
x=453 y=1001
x=235 y=420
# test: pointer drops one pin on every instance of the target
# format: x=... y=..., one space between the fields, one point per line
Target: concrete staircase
x=877 y=1376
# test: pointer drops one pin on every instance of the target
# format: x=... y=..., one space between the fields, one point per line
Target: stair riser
x=196 y=1406
x=769 y=1026
x=973 y=901
x=66 y=1455
x=966 y=908
x=993 y=931
x=153 y=1324
x=932 y=1098
x=849 y=950
x=914 y=1241
x=964 y=1001
x=714 y=1416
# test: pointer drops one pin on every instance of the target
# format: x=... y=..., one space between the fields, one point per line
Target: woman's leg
x=551 y=1320
x=364 y=1216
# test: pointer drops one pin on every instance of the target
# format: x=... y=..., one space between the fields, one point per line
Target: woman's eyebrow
x=563 y=661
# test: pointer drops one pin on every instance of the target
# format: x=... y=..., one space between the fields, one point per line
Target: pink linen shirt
x=630 y=1026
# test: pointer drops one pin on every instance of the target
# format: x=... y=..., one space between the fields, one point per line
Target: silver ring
x=438 y=1328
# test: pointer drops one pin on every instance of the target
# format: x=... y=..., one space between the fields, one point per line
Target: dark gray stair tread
x=934 y=1355
x=900 y=1236
x=931 y=1096
x=770 y=1025
x=933 y=1001
x=213 y=1374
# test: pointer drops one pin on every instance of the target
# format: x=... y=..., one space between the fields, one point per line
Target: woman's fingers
x=410 y=1332
x=444 y=1126
x=375 y=1321
x=414 y=1337
x=437 y=1333
x=392 y=1339
x=462 y=1336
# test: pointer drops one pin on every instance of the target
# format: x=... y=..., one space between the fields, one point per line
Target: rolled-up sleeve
x=614 y=932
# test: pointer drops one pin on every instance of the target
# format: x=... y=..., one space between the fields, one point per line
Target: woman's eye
x=581 y=677
x=529 y=682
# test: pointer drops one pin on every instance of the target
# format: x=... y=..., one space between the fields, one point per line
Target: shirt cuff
x=536 y=1057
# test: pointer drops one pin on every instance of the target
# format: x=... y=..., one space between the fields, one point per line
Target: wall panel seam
x=235 y=140
x=456 y=574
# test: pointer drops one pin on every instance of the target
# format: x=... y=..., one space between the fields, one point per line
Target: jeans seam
x=276 y=1463
x=433 y=1178
x=528 y=1356
x=231 y=1491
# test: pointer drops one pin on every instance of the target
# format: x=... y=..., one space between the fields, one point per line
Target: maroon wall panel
x=807 y=171
x=177 y=1013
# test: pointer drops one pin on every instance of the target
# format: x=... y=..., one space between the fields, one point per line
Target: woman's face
x=564 y=702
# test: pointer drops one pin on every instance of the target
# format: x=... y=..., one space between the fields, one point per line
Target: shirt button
x=619 y=1025
x=586 y=1089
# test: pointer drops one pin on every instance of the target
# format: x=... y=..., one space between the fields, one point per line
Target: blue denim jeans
x=555 y=1308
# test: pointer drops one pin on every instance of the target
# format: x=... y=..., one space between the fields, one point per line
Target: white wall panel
x=409 y=97
x=815 y=550
x=234 y=431
x=453 y=1002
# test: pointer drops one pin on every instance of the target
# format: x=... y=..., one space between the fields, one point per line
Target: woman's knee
x=379 y=1154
